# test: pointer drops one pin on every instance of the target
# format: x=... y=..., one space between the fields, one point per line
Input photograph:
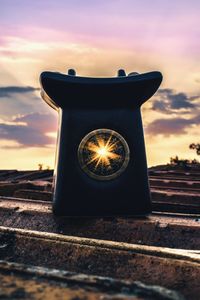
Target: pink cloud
x=33 y=133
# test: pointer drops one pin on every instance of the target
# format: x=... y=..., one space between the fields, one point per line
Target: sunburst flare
x=102 y=152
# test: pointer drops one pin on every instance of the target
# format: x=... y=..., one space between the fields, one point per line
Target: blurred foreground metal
x=47 y=257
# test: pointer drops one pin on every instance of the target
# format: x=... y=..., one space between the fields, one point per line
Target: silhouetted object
x=40 y=167
x=121 y=72
x=179 y=162
x=195 y=147
x=100 y=163
x=71 y=72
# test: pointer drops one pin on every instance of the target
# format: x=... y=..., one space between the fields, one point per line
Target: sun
x=103 y=154
x=102 y=151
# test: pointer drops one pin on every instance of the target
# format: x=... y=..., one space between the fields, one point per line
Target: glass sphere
x=103 y=154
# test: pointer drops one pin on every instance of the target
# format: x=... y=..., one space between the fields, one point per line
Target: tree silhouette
x=195 y=147
x=40 y=167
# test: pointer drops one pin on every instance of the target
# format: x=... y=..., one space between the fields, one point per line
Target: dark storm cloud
x=30 y=130
x=168 y=101
x=173 y=126
x=160 y=106
x=8 y=91
x=180 y=100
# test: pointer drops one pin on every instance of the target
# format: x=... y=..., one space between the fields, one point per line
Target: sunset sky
x=97 y=38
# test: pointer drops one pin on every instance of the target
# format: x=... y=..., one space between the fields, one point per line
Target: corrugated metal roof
x=39 y=251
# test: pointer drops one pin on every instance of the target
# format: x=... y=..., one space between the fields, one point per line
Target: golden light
x=102 y=151
x=103 y=154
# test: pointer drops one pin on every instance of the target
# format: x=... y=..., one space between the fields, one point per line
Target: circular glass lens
x=103 y=154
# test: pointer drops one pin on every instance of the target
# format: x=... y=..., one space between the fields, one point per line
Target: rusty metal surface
x=182 y=197
x=176 y=231
x=29 y=282
x=175 y=183
x=164 y=202
x=180 y=193
x=151 y=265
x=170 y=206
x=162 y=249
x=15 y=175
x=32 y=194
x=167 y=200
x=193 y=172
x=166 y=195
x=9 y=189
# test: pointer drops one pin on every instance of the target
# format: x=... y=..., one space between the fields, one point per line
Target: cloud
x=8 y=91
x=24 y=135
x=30 y=130
x=41 y=122
x=178 y=104
x=168 y=101
x=20 y=100
x=173 y=126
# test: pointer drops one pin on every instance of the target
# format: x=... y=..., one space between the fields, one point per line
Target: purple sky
x=97 y=38
x=98 y=21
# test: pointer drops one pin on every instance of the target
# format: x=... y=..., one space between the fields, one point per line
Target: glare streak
x=102 y=152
